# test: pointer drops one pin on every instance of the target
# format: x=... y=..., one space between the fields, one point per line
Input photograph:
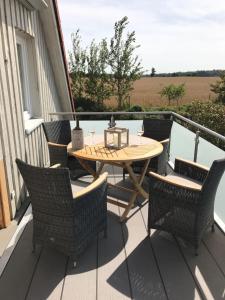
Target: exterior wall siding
x=15 y=142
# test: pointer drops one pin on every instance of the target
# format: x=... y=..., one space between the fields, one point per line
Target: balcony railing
x=184 y=142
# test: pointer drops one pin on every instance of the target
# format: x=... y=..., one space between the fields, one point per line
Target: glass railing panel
x=100 y=125
x=182 y=142
x=207 y=153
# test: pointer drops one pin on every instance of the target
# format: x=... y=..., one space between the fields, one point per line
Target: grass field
x=146 y=90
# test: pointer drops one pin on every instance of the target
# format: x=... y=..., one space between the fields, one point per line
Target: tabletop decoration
x=77 y=137
x=116 y=137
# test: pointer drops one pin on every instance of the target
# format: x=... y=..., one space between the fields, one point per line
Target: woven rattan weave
x=59 y=220
x=184 y=211
x=58 y=136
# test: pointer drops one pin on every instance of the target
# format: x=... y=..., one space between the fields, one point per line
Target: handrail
x=110 y=113
x=201 y=127
x=114 y=113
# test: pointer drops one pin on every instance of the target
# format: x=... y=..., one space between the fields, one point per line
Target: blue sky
x=175 y=35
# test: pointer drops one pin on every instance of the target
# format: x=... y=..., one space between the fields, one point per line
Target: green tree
x=98 y=86
x=77 y=66
x=173 y=92
x=153 y=72
x=125 y=66
x=219 y=88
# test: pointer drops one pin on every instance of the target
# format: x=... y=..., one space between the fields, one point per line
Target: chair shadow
x=115 y=192
x=45 y=269
x=143 y=284
x=143 y=264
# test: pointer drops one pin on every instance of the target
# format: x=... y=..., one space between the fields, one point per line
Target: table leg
x=89 y=169
x=137 y=183
x=99 y=171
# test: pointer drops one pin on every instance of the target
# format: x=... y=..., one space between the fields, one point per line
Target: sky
x=174 y=35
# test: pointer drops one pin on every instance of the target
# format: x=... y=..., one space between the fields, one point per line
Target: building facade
x=33 y=82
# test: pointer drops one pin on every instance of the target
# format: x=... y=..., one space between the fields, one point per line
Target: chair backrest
x=157 y=129
x=213 y=179
x=58 y=155
x=49 y=190
x=58 y=132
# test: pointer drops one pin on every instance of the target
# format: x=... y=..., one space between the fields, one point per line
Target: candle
x=115 y=139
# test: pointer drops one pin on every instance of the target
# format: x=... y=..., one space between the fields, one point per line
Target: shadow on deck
x=126 y=265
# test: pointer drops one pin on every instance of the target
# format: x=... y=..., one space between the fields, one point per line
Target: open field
x=146 y=90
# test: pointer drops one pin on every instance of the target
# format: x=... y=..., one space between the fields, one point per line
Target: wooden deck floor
x=126 y=265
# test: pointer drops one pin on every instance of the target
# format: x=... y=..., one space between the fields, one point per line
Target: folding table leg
x=137 y=184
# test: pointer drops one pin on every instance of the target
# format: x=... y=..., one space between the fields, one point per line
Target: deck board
x=207 y=275
x=111 y=256
x=20 y=268
x=126 y=265
x=142 y=269
x=81 y=281
x=215 y=242
x=177 y=279
x=49 y=275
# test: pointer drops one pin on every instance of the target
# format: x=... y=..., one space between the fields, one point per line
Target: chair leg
x=149 y=231
x=124 y=175
x=73 y=259
x=213 y=228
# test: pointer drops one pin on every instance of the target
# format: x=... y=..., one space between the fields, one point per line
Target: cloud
x=173 y=34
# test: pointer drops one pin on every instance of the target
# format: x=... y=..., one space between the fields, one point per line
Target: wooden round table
x=139 y=149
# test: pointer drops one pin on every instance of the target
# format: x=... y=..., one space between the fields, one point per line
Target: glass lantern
x=116 y=137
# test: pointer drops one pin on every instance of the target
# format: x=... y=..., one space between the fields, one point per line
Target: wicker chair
x=58 y=136
x=183 y=203
x=159 y=130
x=67 y=220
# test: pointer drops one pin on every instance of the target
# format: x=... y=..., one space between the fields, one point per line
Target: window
x=28 y=77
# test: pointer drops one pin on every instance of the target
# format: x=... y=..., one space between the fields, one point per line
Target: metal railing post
x=196 y=145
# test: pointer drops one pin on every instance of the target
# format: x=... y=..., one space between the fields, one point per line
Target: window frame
x=23 y=60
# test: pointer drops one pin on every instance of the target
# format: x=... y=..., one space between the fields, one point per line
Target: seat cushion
x=183 y=180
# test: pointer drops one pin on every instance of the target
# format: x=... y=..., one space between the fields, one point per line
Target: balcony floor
x=126 y=265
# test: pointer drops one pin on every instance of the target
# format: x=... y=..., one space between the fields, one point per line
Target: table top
x=140 y=148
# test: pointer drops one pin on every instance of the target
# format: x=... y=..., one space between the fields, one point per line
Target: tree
x=153 y=72
x=77 y=66
x=219 y=88
x=125 y=67
x=98 y=86
x=173 y=92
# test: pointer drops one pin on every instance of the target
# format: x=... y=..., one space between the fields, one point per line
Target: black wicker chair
x=182 y=203
x=67 y=220
x=58 y=136
x=159 y=130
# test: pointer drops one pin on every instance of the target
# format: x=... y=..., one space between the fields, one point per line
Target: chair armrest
x=172 y=183
x=90 y=188
x=166 y=141
x=55 y=166
x=57 y=145
x=191 y=169
x=161 y=189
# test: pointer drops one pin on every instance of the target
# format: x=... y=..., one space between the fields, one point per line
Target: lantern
x=116 y=137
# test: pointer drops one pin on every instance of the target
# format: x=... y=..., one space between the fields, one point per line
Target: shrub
x=210 y=115
x=135 y=108
x=86 y=104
